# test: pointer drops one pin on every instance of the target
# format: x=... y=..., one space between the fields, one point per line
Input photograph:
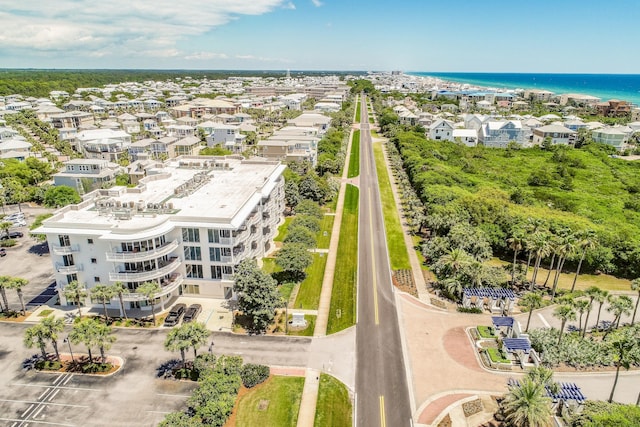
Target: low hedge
x=252 y=375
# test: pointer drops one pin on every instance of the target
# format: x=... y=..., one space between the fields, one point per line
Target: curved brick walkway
x=435 y=408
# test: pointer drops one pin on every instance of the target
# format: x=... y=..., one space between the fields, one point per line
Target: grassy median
x=342 y=312
x=308 y=296
x=275 y=402
x=398 y=256
x=354 y=158
x=334 y=405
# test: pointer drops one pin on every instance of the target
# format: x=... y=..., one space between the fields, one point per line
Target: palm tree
x=526 y=405
x=5 y=281
x=624 y=348
x=198 y=335
x=177 y=340
x=120 y=290
x=582 y=305
x=592 y=293
x=52 y=327
x=5 y=226
x=618 y=305
x=540 y=242
x=150 y=290
x=36 y=336
x=103 y=338
x=532 y=301
x=18 y=283
x=565 y=248
x=516 y=244
x=586 y=242
x=103 y=293
x=564 y=312
x=601 y=297
x=75 y=292
x=635 y=286
x=453 y=287
x=84 y=332
x=454 y=261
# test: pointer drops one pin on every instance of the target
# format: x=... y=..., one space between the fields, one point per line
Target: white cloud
x=289 y=6
x=123 y=27
x=317 y=3
x=261 y=58
x=206 y=55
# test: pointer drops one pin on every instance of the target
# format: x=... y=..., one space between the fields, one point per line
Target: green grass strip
x=308 y=296
x=357 y=111
x=342 y=312
x=282 y=393
x=333 y=407
x=354 y=159
x=282 y=230
x=324 y=236
x=398 y=256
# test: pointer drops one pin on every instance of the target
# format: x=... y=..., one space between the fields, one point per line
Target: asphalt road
x=382 y=397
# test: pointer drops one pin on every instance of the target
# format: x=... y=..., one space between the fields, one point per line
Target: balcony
x=68 y=269
x=171 y=285
x=65 y=250
x=238 y=250
x=227 y=277
x=125 y=256
x=141 y=276
x=226 y=259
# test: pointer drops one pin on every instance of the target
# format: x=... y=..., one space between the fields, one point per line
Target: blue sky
x=564 y=36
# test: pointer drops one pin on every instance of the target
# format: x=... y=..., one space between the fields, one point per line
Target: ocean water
x=604 y=86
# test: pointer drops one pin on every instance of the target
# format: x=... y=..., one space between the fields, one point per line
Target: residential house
x=86 y=175
x=225 y=135
x=107 y=144
x=468 y=137
x=441 y=130
x=499 y=133
x=616 y=136
x=557 y=134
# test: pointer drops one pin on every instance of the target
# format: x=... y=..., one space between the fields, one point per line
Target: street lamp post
x=70 y=351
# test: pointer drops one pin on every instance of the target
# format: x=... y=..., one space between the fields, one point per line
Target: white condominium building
x=185 y=226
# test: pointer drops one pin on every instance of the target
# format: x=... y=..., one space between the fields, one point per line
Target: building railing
x=68 y=269
x=166 y=290
x=141 y=276
x=120 y=256
x=65 y=250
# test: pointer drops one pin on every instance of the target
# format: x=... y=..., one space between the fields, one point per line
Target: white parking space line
x=53 y=395
x=27 y=411
x=37 y=422
x=71 y=405
x=544 y=321
x=53 y=386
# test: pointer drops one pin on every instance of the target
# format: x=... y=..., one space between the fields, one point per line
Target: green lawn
x=285 y=290
x=357 y=112
x=398 y=255
x=354 y=159
x=280 y=395
x=343 y=296
x=309 y=293
x=496 y=356
x=326 y=226
x=334 y=405
x=269 y=265
x=308 y=331
x=282 y=230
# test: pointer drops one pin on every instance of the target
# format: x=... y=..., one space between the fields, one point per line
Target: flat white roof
x=227 y=198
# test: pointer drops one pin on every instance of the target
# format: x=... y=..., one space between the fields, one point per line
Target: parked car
x=173 y=318
x=19 y=223
x=3 y=252
x=192 y=313
x=14 y=216
x=12 y=235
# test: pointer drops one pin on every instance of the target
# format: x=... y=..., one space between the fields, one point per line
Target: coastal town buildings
x=186 y=224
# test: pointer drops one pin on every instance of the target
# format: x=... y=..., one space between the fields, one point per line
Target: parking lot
x=29 y=259
x=133 y=396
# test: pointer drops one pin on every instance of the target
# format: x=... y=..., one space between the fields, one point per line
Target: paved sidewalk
x=327 y=281
x=307 y=413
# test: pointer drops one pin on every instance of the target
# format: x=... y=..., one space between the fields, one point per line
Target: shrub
x=252 y=375
x=473 y=310
x=49 y=365
x=9 y=243
x=497 y=356
x=204 y=362
x=92 y=368
x=486 y=331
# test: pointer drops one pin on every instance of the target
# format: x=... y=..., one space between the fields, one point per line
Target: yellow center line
x=383 y=421
x=373 y=265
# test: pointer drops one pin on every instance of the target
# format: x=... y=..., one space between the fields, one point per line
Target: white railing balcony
x=68 y=269
x=226 y=259
x=141 y=276
x=65 y=250
x=226 y=241
x=227 y=277
x=166 y=290
x=128 y=256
